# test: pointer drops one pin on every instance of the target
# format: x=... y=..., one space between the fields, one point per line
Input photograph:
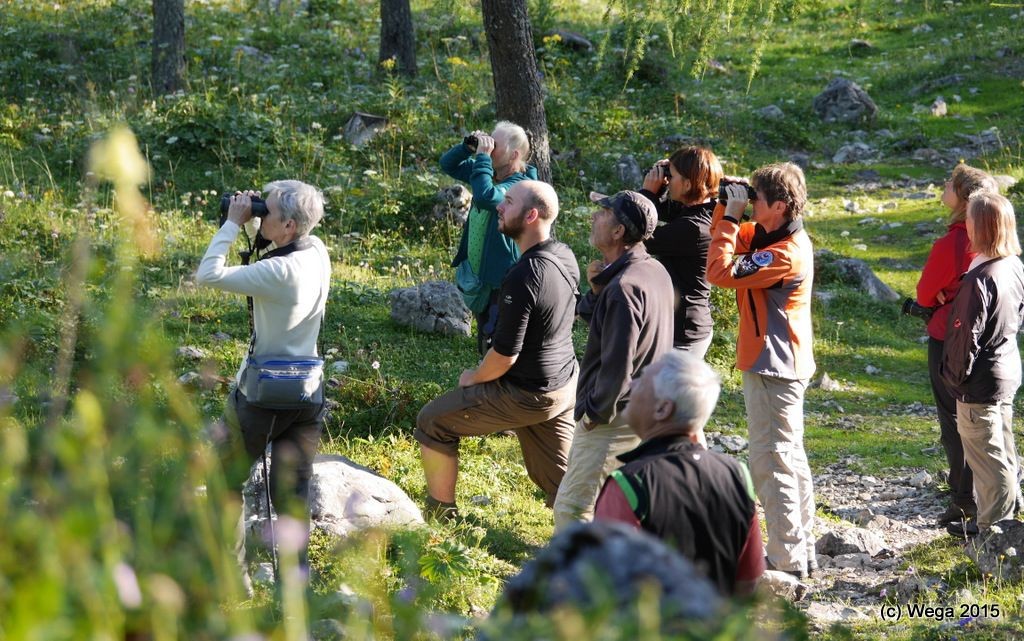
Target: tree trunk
x=168 y=46
x=518 y=93
x=397 y=37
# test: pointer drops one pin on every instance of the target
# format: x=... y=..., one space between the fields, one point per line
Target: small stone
x=782 y=585
x=852 y=560
x=771 y=112
x=828 y=384
x=327 y=630
x=480 y=499
x=264 y=573
x=872 y=370
x=938 y=107
x=190 y=378
x=733 y=443
x=189 y=351
x=921 y=479
x=221 y=336
x=339 y=367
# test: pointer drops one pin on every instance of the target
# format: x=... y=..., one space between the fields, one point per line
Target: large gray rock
x=858 y=271
x=436 y=306
x=844 y=101
x=453 y=203
x=999 y=553
x=854 y=152
x=629 y=172
x=602 y=566
x=852 y=540
x=573 y=40
x=344 y=497
x=362 y=127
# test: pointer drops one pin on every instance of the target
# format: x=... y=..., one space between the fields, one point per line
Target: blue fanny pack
x=284 y=382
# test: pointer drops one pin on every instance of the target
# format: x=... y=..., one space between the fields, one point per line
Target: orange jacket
x=772 y=275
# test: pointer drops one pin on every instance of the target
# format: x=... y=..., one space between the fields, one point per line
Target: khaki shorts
x=541 y=420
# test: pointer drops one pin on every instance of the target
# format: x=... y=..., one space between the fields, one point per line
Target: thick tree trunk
x=518 y=92
x=168 y=46
x=397 y=37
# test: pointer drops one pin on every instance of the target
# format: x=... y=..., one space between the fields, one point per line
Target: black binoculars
x=259 y=206
x=723 y=196
x=912 y=308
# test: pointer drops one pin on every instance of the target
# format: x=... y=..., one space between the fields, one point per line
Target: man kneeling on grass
x=700 y=502
x=527 y=380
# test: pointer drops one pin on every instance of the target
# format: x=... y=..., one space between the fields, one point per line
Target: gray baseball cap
x=633 y=210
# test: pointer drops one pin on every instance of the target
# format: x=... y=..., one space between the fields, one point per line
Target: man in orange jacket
x=770 y=263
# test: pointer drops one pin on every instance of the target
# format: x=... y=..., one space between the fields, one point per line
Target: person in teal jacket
x=498 y=161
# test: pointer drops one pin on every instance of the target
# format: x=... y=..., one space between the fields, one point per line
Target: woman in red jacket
x=949 y=259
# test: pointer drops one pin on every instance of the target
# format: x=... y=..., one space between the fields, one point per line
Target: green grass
x=89 y=487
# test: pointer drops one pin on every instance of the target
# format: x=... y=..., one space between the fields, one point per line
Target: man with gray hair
x=700 y=502
x=630 y=312
x=288 y=289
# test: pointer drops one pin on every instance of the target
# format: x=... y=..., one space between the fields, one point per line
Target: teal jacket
x=499 y=252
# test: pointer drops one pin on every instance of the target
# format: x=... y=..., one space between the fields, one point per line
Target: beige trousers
x=778 y=466
x=592 y=458
x=986 y=430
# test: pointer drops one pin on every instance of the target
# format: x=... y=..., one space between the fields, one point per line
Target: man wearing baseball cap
x=629 y=309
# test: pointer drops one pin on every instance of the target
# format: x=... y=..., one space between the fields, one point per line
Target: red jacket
x=950 y=257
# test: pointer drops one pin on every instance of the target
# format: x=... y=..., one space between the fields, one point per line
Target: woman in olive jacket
x=981 y=362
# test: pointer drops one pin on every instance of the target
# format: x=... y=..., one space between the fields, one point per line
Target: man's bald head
x=534 y=194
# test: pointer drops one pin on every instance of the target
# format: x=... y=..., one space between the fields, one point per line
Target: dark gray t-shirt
x=536 y=310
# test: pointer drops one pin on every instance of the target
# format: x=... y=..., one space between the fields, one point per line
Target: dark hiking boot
x=955 y=514
x=963 y=529
x=440 y=511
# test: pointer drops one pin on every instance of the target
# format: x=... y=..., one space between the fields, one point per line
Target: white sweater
x=289 y=292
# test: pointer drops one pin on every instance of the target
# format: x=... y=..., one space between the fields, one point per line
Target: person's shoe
x=440 y=511
x=955 y=514
x=963 y=529
x=812 y=569
x=800 y=575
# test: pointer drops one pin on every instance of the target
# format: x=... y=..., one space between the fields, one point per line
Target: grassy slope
x=244 y=122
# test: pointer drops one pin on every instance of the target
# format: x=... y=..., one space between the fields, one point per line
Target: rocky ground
x=861 y=553
x=871 y=523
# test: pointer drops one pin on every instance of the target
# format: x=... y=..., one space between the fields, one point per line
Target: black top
x=682 y=247
x=700 y=502
x=980 y=360
x=535 y=315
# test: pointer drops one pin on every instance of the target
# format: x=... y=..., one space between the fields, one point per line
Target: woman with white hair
x=490 y=163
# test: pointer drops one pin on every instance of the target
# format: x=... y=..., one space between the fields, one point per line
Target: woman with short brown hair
x=684 y=188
